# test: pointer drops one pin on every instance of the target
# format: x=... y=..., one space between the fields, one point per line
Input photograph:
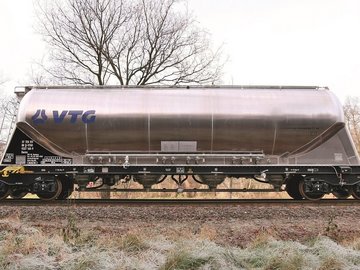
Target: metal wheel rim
x=292 y=189
x=355 y=194
x=5 y=194
x=18 y=196
x=55 y=195
x=311 y=197
x=342 y=194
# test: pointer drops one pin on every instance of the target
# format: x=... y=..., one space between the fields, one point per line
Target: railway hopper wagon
x=293 y=138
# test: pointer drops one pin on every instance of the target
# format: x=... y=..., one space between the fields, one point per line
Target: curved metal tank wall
x=206 y=120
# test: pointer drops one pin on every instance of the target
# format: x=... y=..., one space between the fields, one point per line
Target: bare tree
x=8 y=112
x=352 y=118
x=139 y=42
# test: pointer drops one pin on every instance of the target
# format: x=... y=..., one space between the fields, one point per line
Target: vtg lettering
x=87 y=117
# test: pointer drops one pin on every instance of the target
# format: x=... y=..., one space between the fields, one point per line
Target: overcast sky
x=267 y=42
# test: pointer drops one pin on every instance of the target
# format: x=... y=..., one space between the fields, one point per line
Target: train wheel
x=341 y=193
x=355 y=191
x=292 y=187
x=17 y=193
x=4 y=190
x=67 y=188
x=309 y=195
x=54 y=193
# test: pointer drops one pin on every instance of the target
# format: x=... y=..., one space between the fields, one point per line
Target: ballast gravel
x=224 y=224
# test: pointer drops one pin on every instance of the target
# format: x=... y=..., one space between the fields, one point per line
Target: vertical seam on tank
x=86 y=138
x=212 y=121
x=149 y=132
x=212 y=131
x=274 y=141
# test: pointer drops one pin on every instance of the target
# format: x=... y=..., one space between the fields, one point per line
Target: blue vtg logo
x=87 y=117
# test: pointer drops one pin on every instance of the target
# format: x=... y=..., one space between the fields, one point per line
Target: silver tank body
x=276 y=121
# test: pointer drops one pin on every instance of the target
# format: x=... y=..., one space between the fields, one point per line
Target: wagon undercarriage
x=57 y=182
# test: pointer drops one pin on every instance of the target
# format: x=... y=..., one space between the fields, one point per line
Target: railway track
x=180 y=202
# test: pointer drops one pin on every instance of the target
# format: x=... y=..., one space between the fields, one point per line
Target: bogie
x=48 y=188
x=313 y=189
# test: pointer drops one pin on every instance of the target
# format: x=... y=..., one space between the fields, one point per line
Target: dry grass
x=132 y=243
x=262 y=237
x=26 y=247
x=331 y=263
x=294 y=261
x=207 y=232
x=355 y=243
x=182 y=258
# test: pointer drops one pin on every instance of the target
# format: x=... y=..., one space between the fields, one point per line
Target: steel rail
x=180 y=202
